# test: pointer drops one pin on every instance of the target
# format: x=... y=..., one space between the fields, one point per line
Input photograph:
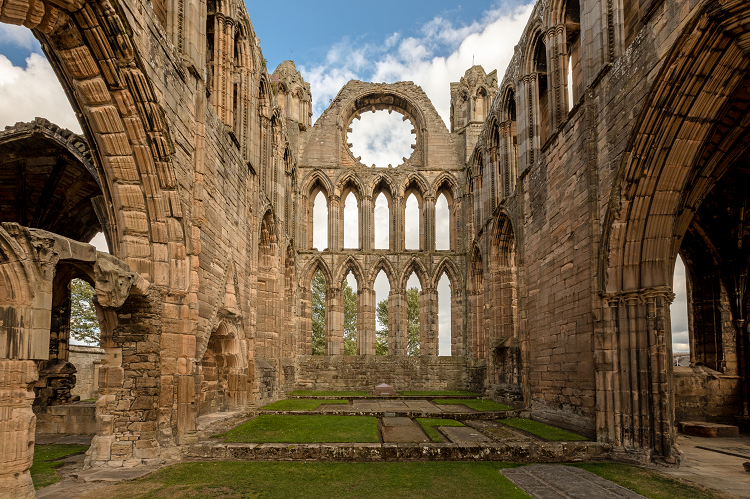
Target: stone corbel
x=113 y=283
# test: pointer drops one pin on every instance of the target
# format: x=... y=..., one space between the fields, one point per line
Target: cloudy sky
x=431 y=43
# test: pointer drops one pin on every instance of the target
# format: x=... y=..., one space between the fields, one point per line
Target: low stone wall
x=702 y=394
x=76 y=418
x=363 y=372
x=86 y=360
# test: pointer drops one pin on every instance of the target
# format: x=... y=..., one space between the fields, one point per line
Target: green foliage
x=381 y=335
x=316 y=480
x=412 y=324
x=84 y=325
x=350 y=319
x=477 y=405
x=542 y=430
x=412 y=321
x=272 y=428
x=319 y=314
x=299 y=404
x=429 y=424
x=45 y=461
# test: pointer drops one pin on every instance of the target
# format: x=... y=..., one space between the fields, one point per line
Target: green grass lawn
x=458 y=393
x=242 y=480
x=299 y=404
x=43 y=469
x=323 y=393
x=271 y=428
x=429 y=424
x=649 y=483
x=476 y=404
x=542 y=430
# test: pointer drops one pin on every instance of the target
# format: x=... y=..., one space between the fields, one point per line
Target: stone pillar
x=335 y=325
x=333 y=224
x=367 y=323
x=429 y=321
x=397 y=344
x=366 y=228
x=17 y=425
x=397 y=220
x=429 y=224
x=457 y=322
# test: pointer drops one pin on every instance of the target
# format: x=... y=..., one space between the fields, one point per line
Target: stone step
x=708 y=430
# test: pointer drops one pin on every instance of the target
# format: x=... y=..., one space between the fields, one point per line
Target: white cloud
x=381 y=139
x=26 y=93
x=19 y=36
x=488 y=42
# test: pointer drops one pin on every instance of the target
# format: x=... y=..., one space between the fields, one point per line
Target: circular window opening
x=381 y=138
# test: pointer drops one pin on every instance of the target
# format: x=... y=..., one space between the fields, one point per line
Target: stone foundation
x=702 y=394
x=364 y=372
x=77 y=418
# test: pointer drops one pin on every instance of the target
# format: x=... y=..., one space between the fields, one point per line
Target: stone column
x=333 y=224
x=429 y=224
x=429 y=320
x=457 y=323
x=17 y=426
x=397 y=225
x=366 y=217
x=335 y=310
x=367 y=323
x=397 y=344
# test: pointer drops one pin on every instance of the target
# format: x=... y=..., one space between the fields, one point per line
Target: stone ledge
x=460 y=416
x=521 y=452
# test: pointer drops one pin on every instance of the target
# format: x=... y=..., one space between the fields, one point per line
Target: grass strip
x=314 y=480
x=476 y=404
x=43 y=469
x=272 y=428
x=323 y=393
x=545 y=431
x=429 y=424
x=649 y=483
x=300 y=404
x=456 y=393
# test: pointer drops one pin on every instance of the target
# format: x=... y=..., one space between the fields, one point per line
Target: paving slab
x=455 y=408
x=554 y=481
x=113 y=475
x=499 y=432
x=402 y=431
x=463 y=434
x=713 y=469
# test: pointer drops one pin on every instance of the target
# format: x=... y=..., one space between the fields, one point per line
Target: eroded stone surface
x=545 y=481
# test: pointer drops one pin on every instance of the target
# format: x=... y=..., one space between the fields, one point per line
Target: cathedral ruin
x=616 y=139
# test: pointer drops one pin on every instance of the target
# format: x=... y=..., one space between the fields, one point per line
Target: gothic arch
x=448 y=267
x=350 y=265
x=349 y=182
x=445 y=182
x=385 y=265
x=414 y=266
x=312 y=267
x=317 y=178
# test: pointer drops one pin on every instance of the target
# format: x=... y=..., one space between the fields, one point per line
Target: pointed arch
x=350 y=265
x=385 y=265
x=448 y=267
x=383 y=182
x=347 y=182
x=414 y=266
x=312 y=267
x=350 y=183
x=223 y=371
x=414 y=182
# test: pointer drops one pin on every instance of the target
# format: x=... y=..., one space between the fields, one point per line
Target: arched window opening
x=210 y=24
x=351 y=221
x=382 y=222
x=349 y=292
x=412 y=223
x=318 y=306
x=382 y=289
x=84 y=326
x=445 y=300
x=508 y=163
x=382 y=139
x=476 y=301
x=320 y=222
x=573 y=40
x=480 y=105
x=442 y=224
x=267 y=336
x=413 y=323
x=678 y=312
x=540 y=68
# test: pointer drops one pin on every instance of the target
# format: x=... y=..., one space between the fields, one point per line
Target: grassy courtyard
x=300 y=404
x=324 y=393
x=243 y=480
x=429 y=424
x=270 y=428
x=476 y=404
x=545 y=431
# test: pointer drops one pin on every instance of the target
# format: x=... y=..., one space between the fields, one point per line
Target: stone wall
x=702 y=394
x=364 y=372
x=86 y=360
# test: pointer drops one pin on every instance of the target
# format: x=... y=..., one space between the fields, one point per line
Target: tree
x=412 y=324
x=319 y=314
x=84 y=325
x=381 y=335
x=350 y=319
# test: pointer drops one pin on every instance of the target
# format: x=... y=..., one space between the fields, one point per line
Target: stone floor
x=554 y=481
x=715 y=468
